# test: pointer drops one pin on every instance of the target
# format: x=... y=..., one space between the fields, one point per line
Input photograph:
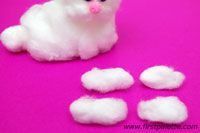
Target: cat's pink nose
x=95 y=7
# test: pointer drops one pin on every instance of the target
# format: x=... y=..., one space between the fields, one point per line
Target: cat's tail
x=14 y=38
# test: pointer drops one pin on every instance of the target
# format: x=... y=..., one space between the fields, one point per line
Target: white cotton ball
x=14 y=38
x=163 y=109
x=162 y=77
x=105 y=111
x=64 y=30
x=106 y=80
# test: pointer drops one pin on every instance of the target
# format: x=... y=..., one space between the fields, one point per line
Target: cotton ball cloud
x=105 y=111
x=106 y=80
x=162 y=77
x=64 y=30
x=163 y=109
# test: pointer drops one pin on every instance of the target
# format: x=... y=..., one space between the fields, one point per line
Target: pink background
x=35 y=97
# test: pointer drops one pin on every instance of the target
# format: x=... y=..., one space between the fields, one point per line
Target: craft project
x=65 y=29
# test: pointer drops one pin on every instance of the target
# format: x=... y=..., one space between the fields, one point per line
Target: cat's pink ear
x=95 y=7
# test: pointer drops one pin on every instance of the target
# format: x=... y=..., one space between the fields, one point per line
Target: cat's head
x=89 y=9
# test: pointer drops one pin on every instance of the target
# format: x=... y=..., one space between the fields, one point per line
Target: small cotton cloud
x=162 y=77
x=163 y=109
x=105 y=111
x=106 y=80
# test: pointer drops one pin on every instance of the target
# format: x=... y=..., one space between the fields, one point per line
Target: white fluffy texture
x=163 y=109
x=105 y=111
x=16 y=37
x=105 y=80
x=64 y=30
x=162 y=77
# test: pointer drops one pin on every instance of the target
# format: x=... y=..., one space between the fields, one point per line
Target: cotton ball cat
x=65 y=29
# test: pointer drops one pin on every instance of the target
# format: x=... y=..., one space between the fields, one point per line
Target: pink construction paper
x=35 y=96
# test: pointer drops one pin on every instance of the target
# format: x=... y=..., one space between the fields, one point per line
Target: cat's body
x=62 y=30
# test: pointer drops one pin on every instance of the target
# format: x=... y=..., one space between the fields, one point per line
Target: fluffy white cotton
x=163 y=109
x=105 y=111
x=16 y=37
x=65 y=29
x=162 y=77
x=105 y=80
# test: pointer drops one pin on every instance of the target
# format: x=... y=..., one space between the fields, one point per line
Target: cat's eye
x=99 y=0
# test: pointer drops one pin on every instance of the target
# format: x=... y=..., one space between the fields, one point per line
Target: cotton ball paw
x=162 y=77
x=163 y=109
x=106 y=80
x=105 y=111
x=64 y=30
